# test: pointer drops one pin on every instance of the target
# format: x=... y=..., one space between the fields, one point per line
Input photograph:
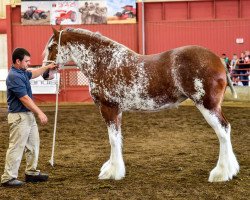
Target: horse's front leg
x=114 y=168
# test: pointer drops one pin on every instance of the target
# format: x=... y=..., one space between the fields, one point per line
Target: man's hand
x=41 y=70
x=52 y=66
x=43 y=118
x=29 y=103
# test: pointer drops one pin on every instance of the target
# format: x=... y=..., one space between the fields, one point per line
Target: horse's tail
x=229 y=81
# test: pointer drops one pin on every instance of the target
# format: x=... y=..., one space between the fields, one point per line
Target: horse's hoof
x=112 y=171
x=219 y=174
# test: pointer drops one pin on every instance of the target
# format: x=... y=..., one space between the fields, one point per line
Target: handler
x=24 y=135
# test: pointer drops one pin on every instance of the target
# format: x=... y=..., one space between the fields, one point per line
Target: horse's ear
x=55 y=31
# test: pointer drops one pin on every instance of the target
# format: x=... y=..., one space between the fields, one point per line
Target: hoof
x=219 y=174
x=111 y=171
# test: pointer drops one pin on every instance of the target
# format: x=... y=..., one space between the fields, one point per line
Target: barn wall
x=214 y=24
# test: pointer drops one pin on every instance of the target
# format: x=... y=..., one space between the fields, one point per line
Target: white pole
x=143 y=28
x=51 y=161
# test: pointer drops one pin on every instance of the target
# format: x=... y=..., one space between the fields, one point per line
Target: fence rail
x=241 y=75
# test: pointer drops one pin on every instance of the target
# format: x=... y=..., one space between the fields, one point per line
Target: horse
x=122 y=80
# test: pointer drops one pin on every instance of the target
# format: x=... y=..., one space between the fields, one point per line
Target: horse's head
x=85 y=48
x=55 y=52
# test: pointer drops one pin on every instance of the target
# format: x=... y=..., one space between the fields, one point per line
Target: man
x=226 y=59
x=24 y=135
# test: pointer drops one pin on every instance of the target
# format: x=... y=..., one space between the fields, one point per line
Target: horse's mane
x=96 y=35
x=89 y=33
x=84 y=31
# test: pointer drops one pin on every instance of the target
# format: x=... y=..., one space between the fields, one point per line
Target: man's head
x=21 y=58
x=235 y=56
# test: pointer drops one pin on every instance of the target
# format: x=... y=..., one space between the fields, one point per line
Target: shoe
x=41 y=177
x=13 y=183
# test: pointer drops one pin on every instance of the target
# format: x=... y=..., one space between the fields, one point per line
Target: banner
x=41 y=86
x=38 y=12
x=121 y=11
x=38 y=85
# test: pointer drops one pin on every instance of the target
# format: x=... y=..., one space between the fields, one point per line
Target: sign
x=41 y=86
x=239 y=40
x=37 y=12
x=121 y=11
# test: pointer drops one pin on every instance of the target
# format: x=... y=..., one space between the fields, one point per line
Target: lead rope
x=51 y=161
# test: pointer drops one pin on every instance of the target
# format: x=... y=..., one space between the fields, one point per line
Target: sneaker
x=41 y=177
x=13 y=183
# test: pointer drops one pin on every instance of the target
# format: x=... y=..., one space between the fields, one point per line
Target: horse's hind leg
x=114 y=168
x=227 y=165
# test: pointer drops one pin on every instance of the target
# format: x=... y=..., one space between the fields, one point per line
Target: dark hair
x=19 y=53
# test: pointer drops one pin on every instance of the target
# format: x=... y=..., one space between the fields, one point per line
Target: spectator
x=233 y=66
x=243 y=73
x=242 y=58
x=247 y=57
x=226 y=60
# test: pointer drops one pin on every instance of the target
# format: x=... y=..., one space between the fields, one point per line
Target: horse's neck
x=83 y=57
x=111 y=56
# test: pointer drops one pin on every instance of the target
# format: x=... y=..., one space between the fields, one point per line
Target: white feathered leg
x=227 y=165
x=114 y=168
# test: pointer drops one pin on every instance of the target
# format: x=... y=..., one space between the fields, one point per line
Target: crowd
x=239 y=68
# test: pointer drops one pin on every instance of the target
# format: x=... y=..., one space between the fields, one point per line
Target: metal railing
x=241 y=74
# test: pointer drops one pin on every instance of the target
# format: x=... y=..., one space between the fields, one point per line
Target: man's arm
x=41 y=70
x=29 y=103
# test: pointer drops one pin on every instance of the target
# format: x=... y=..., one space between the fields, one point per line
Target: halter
x=58 y=51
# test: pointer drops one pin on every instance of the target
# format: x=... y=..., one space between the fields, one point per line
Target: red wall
x=2 y=26
x=214 y=24
x=218 y=35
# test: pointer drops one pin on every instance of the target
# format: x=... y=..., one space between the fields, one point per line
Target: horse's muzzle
x=48 y=74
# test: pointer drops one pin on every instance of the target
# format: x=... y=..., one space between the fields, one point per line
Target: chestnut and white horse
x=122 y=80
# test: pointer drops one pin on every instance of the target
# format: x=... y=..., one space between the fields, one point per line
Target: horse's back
x=184 y=70
x=199 y=73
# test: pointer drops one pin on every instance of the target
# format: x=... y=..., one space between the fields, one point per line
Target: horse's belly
x=146 y=104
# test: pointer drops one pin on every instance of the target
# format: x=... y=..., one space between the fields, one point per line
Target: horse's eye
x=49 y=48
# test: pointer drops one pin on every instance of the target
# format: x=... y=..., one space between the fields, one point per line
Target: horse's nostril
x=46 y=74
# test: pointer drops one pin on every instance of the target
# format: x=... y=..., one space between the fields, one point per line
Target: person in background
x=247 y=60
x=24 y=135
x=233 y=67
x=242 y=58
x=226 y=60
x=243 y=73
x=247 y=57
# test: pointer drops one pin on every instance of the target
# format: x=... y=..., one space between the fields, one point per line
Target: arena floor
x=168 y=155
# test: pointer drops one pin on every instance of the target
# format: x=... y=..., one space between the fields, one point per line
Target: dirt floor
x=168 y=155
